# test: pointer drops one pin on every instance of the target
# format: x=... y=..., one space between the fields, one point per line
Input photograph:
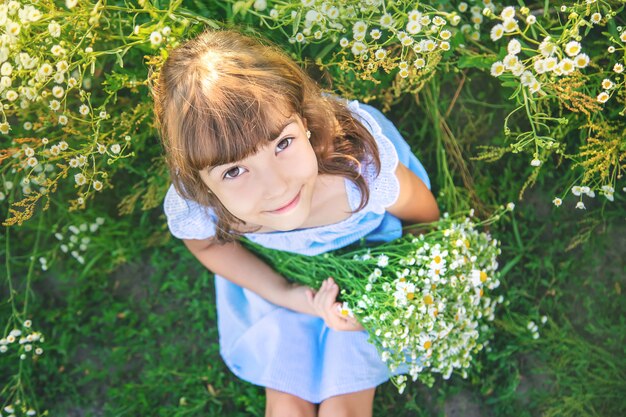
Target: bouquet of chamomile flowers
x=425 y=300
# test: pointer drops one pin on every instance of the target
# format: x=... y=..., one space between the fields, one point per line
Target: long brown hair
x=215 y=100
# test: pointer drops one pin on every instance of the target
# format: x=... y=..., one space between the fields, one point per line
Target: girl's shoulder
x=187 y=219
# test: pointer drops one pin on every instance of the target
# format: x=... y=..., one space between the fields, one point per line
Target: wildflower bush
x=503 y=101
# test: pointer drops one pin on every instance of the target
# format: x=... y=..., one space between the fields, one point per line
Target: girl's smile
x=287 y=207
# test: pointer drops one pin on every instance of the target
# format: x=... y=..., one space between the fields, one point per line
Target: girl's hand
x=324 y=303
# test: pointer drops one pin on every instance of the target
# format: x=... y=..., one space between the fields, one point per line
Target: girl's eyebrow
x=280 y=129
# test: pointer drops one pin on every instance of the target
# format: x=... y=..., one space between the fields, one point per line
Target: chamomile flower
x=514 y=47
x=6 y=69
x=57 y=50
x=413 y=27
x=54 y=29
x=596 y=18
x=156 y=38
x=386 y=20
x=539 y=66
x=115 y=148
x=572 y=48
x=535 y=86
x=557 y=201
x=380 y=54
x=260 y=5
x=622 y=37
x=618 y=68
x=581 y=60
x=84 y=109
x=438 y=21
x=46 y=70
x=547 y=48
x=510 y=25
x=80 y=179
x=531 y=20
x=358 y=48
x=359 y=29
x=608 y=191
x=345 y=310
x=550 y=64
x=510 y=61
x=375 y=34
x=11 y=95
x=567 y=66
x=419 y=63
x=97 y=185
x=603 y=97
x=577 y=190
x=607 y=84
x=508 y=13
x=535 y=162
x=580 y=205
x=527 y=78
x=63 y=120
x=58 y=91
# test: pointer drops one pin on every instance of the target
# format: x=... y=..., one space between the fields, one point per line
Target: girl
x=255 y=149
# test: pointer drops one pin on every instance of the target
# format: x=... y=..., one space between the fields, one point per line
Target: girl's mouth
x=292 y=204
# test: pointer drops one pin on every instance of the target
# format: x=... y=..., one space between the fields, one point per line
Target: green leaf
x=475 y=61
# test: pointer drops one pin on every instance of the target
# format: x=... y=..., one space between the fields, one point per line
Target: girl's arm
x=237 y=264
x=415 y=203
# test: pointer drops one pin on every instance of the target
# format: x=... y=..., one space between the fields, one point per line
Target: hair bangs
x=229 y=125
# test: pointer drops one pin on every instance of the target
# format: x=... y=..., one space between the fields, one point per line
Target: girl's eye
x=284 y=144
x=233 y=173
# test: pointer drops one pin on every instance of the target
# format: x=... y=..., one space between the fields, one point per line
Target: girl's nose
x=274 y=182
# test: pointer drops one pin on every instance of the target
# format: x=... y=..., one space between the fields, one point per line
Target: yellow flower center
x=437 y=259
x=410 y=296
x=428 y=299
x=483 y=276
x=427 y=344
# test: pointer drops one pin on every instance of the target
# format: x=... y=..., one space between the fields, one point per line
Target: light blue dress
x=292 y=352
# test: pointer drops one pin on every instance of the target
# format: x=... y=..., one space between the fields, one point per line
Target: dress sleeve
x=187 y=219
x=393 y=149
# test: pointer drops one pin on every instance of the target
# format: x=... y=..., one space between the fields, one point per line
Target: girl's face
x=272 y=188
